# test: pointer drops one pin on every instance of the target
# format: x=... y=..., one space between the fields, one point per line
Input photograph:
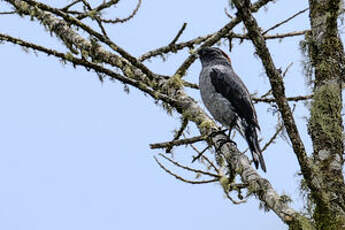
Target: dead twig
x=179 y=33
x=177 y=142
x=188 y=168
x=122 y=20
x=178 y=134
x=285 y=21
x=181 y=178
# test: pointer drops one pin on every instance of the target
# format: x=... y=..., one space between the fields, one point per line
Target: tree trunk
x=325 y=125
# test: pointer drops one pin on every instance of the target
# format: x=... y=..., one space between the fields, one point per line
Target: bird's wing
x=230 y=86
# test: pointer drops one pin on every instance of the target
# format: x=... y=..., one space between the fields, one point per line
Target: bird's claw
x=213 y=134
x=222 y=142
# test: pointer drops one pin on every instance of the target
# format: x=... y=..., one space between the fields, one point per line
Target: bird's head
x=210 y=55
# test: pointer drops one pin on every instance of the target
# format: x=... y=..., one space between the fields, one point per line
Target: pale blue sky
x=74 y=153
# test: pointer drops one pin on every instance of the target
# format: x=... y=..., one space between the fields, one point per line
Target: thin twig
x=287 y=69
x=232 y=200
x=200 y=154
x=227 y=13
x=8 y=12
x=283 y=75
x=181 y=178
x=179 y=33
x=269 y=37
x=178 y=46
x=70 y=5
x=99 y=8
x=122 y=20
x=178 y=134
x=188 y=168
x=211 y=163
x=285 y=21
x=97 y=18
x=270 y=100
x=205 y=158
x=178 y=142
x=275 y=135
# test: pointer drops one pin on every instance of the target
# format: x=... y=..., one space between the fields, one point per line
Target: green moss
x=324 y=220
x=128 y=71
x=325 y=112
x=175 y=81
x=69 y=56
x=225 y=183
x=207 y=124
x=301 y=223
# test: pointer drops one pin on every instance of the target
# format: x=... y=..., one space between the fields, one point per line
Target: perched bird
x=227 y=98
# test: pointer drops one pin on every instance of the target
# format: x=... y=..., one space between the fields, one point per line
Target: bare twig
x=232 y=200
x=8 y=12
x=183 y=179
x=178 y=134
x=227 y=13
x=269 y=37
x=179 y=33
x=205 y=158
x=211 y=163
x=70 y=5
x=177 y=142
x=283 y=75
x=178 y=46
x=98 y=9
x=200 y=154
x=284 y=21
x=287 y=69
x=275 y=135
x=122 y=20
x=96 y=17
x=188 y=168
x=271 y=100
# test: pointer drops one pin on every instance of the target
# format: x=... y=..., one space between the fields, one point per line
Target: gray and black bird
x=228 y=100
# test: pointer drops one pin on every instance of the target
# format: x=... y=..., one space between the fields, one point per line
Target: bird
x=228 y=100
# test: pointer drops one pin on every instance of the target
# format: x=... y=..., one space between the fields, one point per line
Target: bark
x=325 y=124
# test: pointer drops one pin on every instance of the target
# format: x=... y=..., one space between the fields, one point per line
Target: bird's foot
x=213 y=134
x=222 y=142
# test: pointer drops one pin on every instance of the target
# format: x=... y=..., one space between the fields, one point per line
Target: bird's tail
x=252 y=140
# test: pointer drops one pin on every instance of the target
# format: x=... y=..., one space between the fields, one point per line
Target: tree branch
x=183 y=179
x=278 y=89
x=186 y=141
x=122 y=20
x=284 y=21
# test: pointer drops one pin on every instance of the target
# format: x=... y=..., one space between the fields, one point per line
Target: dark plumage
x=228 y=100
